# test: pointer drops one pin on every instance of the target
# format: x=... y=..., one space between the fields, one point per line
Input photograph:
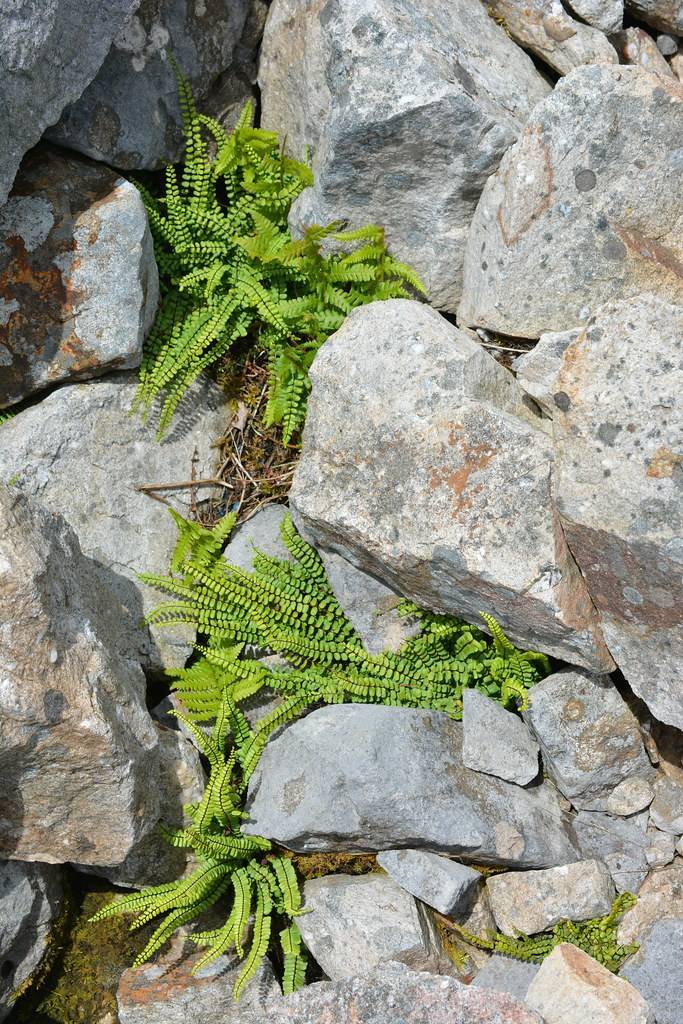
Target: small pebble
x=660 y=849
x=667 y=45
x=629 y=797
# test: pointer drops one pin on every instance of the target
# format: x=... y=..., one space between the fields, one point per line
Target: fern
x=230 y=269
x=597 y=937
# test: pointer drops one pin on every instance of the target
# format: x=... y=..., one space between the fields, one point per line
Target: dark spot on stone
x=54 y=706
x=484 y=265
x=601 y=223
x=607 y=472
x=465 y=79
x=614 y=249
x=562 y=400
x=6 y=968
x=585 y=180
x=608 y=432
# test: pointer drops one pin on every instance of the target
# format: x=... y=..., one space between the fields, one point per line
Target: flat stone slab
x=441 y=883
x=497 y=741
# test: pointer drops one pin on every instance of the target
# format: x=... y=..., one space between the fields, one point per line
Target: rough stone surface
x=635 y=46
x=166 y=992
x=441 y=883
x=355 y=924
x=129 y=115
x=497 y=741
x=503 y=974
x=415 y=100
x=78 y=750
x=666 y=810
x=656 y=971
x=83 y=454
x=607 y=15
x=667 y=45
x=422 y=465
x=261 y=532
x=393 y=993
x=48 y=54
x=677 y=66
x=78 y=281
x=660 y=897
x=666 y=15
x=534 y=901
x=619 y=460
x=573 y=988
x=629 y=797
x=620 y=843
x=589 y=737
x=581 y=209
x=545 y=28
x=309 y=794
x=30 y=899
x=537 y=371
x=660 y=849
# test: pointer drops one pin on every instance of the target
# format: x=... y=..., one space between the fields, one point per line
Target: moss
x=317 y=865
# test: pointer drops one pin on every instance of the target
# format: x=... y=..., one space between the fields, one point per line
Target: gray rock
x=667 y=45
x=261 y=532
x=660 y=849
x=78 y=750
x=441 y=883
x=534 y=901
x=629 y=797
x=573 y=988
x=618 y=458
x=589 y=737
x=677 y=66
x=666 y=810
x=607 y=15
x=83 y=455
x=655 y=970
x=393 y=993
x=422 y=465
x=620 y=843
x=308 y=794
x=324 y=78
x=503 y=974
x=561 y=228
x=30 y=900
x=666 y=15
x=660 y=897
x=129 y=115
x=537 y=371
x=355 y=924
x=78 y=280
x=545 y=28
x=496 y=741
x=166 y=992
x=48 y=54
x=635 y=46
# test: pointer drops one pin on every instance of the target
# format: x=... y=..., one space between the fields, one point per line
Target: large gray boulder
x=82 y=453
x=129 y=115
x=78 y=281
x=422 y=465
x=48 y=54
x=581 y=209
x=408 y=109
x=30 y=900
x=78 y=750
x=619 y=463
x=308 y=793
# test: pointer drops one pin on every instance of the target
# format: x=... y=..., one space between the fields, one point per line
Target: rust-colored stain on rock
x=475 y=457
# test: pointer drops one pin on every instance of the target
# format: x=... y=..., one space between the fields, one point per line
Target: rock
x=661 y=14
x=566 y=224
x=441 y=883
x=656 y=970
x=323 y=76
x=619 y=458
x=393 y=993
x=589 y=737
x=78 y=281
x=607 y=15
x=666 y=810
x=677 y=66
x=660 y=849
x=660 y=897
x=534 y=901
x=422 y=465
x=537 y=371
x=357 y=923
x=621 y=844
x=573 y=988
x=503 y=974
x=166 y=992
x=667 y=45
x=545 y=28
x=30 y=900
x=129 y=115
x=390 y=795
x=629 y=797
x=496 y=741
x=636 y=47
x=679 y=846
x=48 y=56
x=78 y=750
x=261 y=533
x=82 y=454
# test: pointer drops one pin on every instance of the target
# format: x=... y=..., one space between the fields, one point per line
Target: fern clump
x=230 y=268
x=597 y=937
